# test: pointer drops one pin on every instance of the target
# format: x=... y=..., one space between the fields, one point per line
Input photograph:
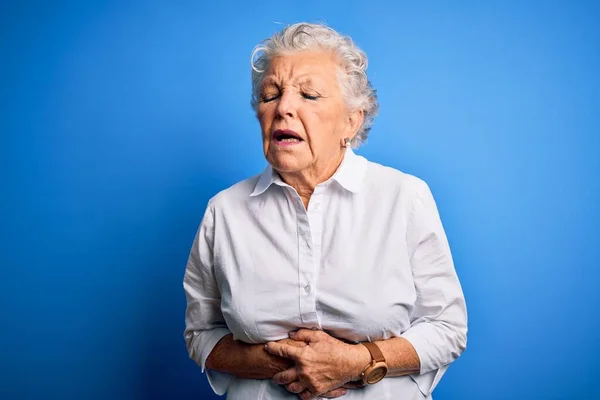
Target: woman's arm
x=438 y=329
x=247 y=361
x=205 y=325
x=400 y=356
x=208 y=339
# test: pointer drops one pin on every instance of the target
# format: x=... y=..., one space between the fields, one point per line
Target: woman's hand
x=280 y=364
x=332 y=394
x=323 y=365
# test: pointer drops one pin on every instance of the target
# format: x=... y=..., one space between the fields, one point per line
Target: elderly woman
x=326 y=275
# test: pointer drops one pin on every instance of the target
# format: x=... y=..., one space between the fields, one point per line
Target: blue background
x=119 y=120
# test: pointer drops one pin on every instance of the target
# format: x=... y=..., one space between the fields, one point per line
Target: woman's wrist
x=262 y=364
x=359 y=358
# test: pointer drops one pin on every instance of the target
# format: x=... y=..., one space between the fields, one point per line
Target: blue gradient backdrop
x=118 y=121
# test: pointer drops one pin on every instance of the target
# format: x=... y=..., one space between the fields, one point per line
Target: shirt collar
x=350 y=175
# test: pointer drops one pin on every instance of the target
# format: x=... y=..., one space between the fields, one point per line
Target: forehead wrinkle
x=287 y=71
x=304 y=79
x=300 y=67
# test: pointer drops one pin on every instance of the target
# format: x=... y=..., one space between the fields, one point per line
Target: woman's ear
x=355 y=120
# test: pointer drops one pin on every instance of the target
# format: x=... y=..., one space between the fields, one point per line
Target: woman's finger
x=305 y=335
x=284 y=350
x=293 y=342
x=306 y=395
x=353 y=385
x=284 y=377
x=332 y=394
x=296 y=387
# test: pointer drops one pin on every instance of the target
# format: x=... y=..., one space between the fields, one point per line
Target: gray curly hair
x=352 y=76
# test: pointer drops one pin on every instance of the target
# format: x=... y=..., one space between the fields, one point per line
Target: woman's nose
x=286 y=107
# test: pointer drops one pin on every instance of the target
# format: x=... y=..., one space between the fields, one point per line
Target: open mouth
x=286 y=136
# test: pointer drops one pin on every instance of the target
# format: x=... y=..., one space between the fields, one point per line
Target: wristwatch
x=377 y=369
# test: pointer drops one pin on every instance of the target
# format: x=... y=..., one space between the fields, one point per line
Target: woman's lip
x=287 y=132
x=286 y=143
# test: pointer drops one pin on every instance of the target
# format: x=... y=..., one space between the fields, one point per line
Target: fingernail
x=292 y=333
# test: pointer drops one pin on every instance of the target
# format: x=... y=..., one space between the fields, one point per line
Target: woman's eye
x=309 y=97
x=269 y=97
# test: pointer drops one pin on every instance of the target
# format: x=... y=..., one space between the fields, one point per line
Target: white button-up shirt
x=368 y=260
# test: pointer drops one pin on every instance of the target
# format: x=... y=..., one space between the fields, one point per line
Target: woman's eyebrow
x=304 y=80
x=268 y=81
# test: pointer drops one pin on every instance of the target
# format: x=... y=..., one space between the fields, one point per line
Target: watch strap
x=376 y=353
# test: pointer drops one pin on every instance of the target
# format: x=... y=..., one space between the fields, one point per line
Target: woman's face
x=302 y=113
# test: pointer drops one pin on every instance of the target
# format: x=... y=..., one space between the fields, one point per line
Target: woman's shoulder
x=236 y=193
x=385 y=178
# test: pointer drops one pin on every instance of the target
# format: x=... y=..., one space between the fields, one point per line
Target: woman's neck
x=306 y=180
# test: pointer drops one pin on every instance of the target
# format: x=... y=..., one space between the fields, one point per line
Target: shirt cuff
x=428 y=381
x=429 y=376
x=218 y=381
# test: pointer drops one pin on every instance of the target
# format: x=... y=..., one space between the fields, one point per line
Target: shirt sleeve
x=204 y=322
x=438 y=329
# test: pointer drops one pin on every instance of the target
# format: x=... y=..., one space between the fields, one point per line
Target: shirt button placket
x=305 y=262
x=315 y=223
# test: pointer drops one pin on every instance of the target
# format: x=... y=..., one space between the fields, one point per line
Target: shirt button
x=307 y=289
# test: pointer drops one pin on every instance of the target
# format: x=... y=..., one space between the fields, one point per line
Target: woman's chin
x=286 y=162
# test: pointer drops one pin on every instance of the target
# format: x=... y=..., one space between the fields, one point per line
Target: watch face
x=377 y=374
